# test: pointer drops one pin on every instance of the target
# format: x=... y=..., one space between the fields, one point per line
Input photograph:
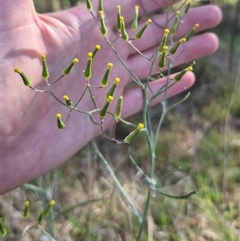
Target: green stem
x=116 y=181
x=164 y=106
x=152 y=156
x=144 y=214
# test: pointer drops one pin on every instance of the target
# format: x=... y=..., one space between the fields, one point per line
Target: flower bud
x=50 y=205
x=186 y=9
x=123 y=29
x=162 y=60
x=183 y=72
x=175 y=25
x=103 y=111
x=111 y=91
x=175 y=47
x=26 y=210
x=69 y=67
x=119 y=25
x=106 y=75
x=88 y=70
x=40 y=217
x=60 y=123
x=3 y=230
x=135 y=19
x=45 y=72
x=97 y=47
x=25 y=79
x=133 y=134
x=67 y=100
x=164 y=41
x=141 y=31
x=102 y=23
x=118 y=111
x=190 y=33
x=100 y=5
x=89 y=5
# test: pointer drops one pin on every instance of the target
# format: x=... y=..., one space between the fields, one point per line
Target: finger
x=17 y=13
x=197 y=47
x=153 y=34
x=133 y=98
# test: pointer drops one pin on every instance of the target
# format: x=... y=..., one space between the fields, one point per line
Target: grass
x=197 y=141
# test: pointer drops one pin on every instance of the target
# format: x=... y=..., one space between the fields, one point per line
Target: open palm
x=31 y=142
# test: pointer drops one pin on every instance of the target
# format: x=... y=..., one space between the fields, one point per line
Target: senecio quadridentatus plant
x=162 y=57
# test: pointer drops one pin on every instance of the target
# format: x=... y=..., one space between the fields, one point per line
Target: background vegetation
x=200 y=139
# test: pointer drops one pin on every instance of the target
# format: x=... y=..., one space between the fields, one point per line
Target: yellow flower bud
x=135 y=19
x=175 y=47
x=162 y=60
x=69 y=67
x=50 y=205
x=25 y=79
x=45 y=72
x=110 y=98
x=183 y=72
x=164 y=40
x=118 y=111
x=60 y=123
x=141 y=31
x=117 y=80
x=97 y=47
x=26 y=210
x=103 y=26
x=129 y=138
x=88 y=70
x=112 y=89
x=119 y=25
x=190 y=33
x=103 y=111
x=67 y=100
x=106 y=75
x=175 y=25
x=123 y=29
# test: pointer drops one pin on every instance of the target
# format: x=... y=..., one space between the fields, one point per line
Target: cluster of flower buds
x=42 y=214
x=45 y=71
x=109 y=99
x=121 y=24
x=167 y=47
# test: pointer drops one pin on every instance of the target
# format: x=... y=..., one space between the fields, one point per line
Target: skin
x=31 y=143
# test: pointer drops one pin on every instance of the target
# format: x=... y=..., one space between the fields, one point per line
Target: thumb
x=16 y=13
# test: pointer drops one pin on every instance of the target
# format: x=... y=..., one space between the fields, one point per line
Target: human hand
x=31 y=142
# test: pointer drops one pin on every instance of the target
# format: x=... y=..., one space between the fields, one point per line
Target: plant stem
x=116 y=181
x=152 y=156
x=144 y=213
